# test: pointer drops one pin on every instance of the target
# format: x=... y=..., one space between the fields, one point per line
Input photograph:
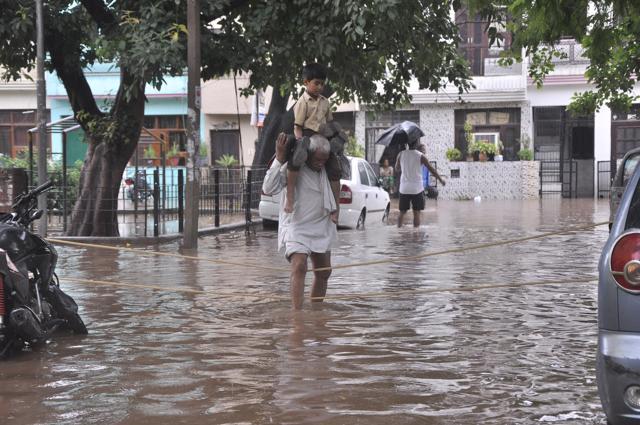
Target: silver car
x=623 y=174
x=618 y=358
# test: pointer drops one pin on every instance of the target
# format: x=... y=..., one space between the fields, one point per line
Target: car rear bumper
x=618 y=367
x=268 y=210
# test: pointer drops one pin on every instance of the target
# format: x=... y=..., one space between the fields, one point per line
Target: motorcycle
x=32 y=305
x=137 y=188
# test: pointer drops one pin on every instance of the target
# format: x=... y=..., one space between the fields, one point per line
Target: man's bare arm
x=432 y=170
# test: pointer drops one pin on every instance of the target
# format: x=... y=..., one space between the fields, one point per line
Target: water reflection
x=499 y=356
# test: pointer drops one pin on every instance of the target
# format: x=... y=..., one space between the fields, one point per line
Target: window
x=225 y=142
x=373 y=180
x=14 y=126
x=629 y=167
x=491 y=125
x=364 y=179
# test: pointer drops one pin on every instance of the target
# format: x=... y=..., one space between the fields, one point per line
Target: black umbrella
x=406 y=131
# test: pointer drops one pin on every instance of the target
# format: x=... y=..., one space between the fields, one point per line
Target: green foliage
x=227 y=161
x=173 y=151
x=486 y=147
x=203 y=151
x=372 y=49
x=608 y=30
x=525 y=154
x=454 y=154
x=149 y=152
x=54 y=170
x=353 y=148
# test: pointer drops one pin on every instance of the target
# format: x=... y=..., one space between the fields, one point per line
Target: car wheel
x=385 y=216
x=360 y=223
x=269 y=224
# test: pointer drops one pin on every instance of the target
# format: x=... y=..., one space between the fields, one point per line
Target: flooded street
x=394 y=343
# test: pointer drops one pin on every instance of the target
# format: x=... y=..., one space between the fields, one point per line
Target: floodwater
x=397 y=344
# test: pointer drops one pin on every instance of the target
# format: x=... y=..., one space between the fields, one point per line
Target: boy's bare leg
x=298 y=273
x=335 y=188
x=292 y=179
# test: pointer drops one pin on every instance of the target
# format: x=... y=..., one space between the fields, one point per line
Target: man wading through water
x=308 y=231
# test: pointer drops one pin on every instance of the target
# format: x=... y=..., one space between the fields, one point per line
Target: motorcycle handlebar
x=34 y=193
x=42 y=188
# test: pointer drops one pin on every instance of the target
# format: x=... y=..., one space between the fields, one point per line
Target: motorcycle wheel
x=75 y=323
x=9 y=347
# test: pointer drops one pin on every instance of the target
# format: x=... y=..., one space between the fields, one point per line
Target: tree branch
x=100 y=13
x=69 y=70
x=233 y=5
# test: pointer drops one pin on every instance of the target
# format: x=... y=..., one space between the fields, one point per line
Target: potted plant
x=173 y=155
x=525 y=154
x=149 y=154
x=454 y=154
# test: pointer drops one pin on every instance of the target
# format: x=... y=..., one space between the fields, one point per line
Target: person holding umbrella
x=409 y=165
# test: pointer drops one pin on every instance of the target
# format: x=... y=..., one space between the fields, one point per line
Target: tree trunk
x=278 y=120
x=95 y=212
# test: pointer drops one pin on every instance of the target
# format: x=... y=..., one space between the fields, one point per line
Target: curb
x=151 y=240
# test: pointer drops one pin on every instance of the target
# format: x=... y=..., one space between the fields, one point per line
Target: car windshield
x=629 y=167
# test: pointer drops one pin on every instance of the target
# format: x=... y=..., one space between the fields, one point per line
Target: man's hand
x=281 y=148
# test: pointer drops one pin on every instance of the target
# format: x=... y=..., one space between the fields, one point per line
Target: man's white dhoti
x=309 y=228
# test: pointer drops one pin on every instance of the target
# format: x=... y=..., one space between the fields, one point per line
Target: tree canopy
x=372 y=49
x=608 y=30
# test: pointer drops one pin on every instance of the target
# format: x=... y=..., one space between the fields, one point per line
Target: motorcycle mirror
x=36 y=215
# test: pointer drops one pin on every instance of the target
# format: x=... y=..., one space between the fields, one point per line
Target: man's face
x=314 y=87
x=317 y=160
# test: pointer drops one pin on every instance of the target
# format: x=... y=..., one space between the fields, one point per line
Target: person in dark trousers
x=409 y=165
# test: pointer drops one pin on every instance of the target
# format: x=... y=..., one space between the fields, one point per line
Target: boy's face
x=314 y=87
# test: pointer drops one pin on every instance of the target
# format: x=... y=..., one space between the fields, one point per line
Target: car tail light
x=625 y=262
x=345 y=194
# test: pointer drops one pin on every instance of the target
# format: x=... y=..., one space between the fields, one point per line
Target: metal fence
x=558 y=178
x=604 y=179
x=151 y=203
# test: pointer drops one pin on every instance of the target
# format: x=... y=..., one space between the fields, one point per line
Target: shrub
x=454 y=154
x=525 y=154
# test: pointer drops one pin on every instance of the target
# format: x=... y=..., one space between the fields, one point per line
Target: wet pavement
x=390 y=351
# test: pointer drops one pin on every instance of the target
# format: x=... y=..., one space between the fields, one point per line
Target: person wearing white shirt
x=409 y=165
x=308 y=232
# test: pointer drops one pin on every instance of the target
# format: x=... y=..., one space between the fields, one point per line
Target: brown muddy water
x=394 y=354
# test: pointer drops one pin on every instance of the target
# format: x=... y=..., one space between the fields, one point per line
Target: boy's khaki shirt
x=310 y=113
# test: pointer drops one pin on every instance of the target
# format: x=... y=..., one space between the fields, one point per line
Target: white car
x=362 y=199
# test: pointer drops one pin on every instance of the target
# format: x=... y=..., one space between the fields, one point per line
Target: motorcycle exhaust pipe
x=26 y=325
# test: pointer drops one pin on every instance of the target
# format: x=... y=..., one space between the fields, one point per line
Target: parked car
x=362 y=198
x=618 y=357
x=623 y=174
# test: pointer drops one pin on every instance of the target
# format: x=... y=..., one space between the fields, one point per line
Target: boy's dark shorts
x=417 y=201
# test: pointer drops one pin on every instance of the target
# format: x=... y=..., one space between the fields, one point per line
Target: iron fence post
x=156 y=201
x=247 y=209
x=216 y=197
x=180 y=201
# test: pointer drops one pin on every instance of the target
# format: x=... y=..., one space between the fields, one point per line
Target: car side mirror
x=379 y=182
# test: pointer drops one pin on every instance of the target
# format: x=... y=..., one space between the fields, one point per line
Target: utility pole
x=41 y=98
x=190 y=236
